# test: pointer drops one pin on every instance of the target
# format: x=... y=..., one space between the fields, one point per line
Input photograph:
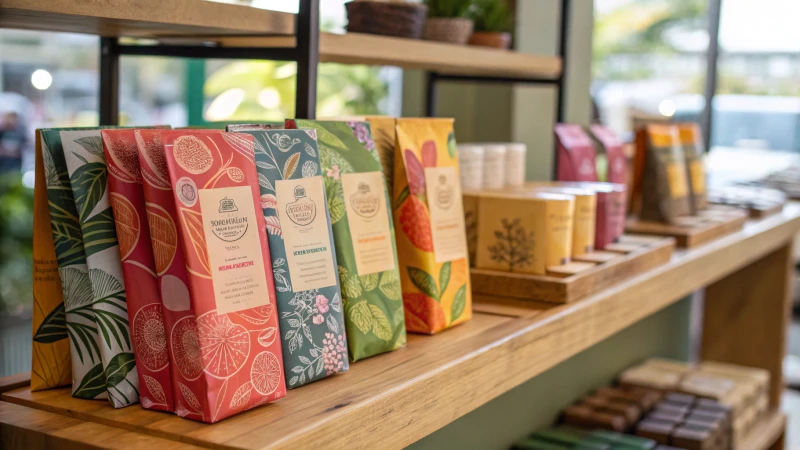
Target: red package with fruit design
x=576 y=154
x=150 y=343
x=225 y=348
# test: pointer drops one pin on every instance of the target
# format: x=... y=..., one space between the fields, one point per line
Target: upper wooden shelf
x=393 y=400
x=357 y=48
x=143 y=18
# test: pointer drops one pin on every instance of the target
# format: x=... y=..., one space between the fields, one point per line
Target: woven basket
x=456 y=30
x=400 y=19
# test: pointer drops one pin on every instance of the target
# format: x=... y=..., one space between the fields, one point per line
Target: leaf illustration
x=242 y=143
x=77 y=288
x=369 y=282
x=105 y=285
x=82 y=333
x=424 y=282
x=67 y=234
x=264 y=165
x=332 y=325
x=323 y=135
x=190 y=398
x=337 y=209
x=220 y=398
x=258 y=147
x=89 y=185
x=193 y=223
x=401 y=198
x=155 y=389
x=267 y=337
x=257 y=316
x=459 y=303
x=241 y=396
x=118 y=368
x=351 y=286
x=163 y=235
x=380 y=324
x=415 y=173
x=273 y=225
x=99 y=232
x=290 y=166
x=50 y=172
x=278 y=262
x=451 y=145
x=93 y=145
x=310 y=169
x=264 y=182
x=53 y=327
x=429 y=154
x=269 y=201
x=81 y=157
x=361 y=316
x=444 y=277
x=336 y=303
x=390 y=285
x=310 y=150
x=92 y=385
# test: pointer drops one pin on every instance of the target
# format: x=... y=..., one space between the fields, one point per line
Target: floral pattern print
x=436 y=296
x=372 y=303
x=306 y=317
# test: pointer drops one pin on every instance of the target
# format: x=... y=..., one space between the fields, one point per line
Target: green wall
x=536 y=403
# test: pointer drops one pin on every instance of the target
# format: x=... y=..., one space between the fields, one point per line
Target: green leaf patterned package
x=88 y=381
x=363 y=236
x=83 y=151
x=303 y=258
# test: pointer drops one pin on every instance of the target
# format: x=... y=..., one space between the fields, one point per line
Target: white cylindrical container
x=494 y=166
x=470 y=166
x=515 y=164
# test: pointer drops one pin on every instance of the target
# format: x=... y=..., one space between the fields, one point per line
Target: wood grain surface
x=689 y=237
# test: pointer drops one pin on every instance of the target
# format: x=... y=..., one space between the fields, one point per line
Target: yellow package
x=430 y=228
x=584 y=217
x=691 y=142
x=50 y=366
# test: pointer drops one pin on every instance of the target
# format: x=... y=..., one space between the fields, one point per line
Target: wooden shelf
x=357 y=48
x=143 y=18
x=765 y=433
x=393 y=400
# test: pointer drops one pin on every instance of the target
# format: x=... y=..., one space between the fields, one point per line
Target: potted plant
x=449 y=21
x=492 y=24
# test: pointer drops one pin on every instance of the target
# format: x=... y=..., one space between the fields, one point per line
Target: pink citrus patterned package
x=147 y=330
x=170 y=265
x=225 y=348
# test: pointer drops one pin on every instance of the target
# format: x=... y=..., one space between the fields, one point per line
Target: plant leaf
x=310 y=150
x=105 y=285
x=118 y=368
x=220 y=399
x=451 y=145
x=242 y=143
x=93 y=384
x=310 y=169
x=369 y=282
x=264 y=182
x=401 y=198
x=424 y=282
x=155 y=389
x=459 y=303
x=390 y=285
x=361 y=316
x=351 y=287
x=332 y=325
x=444 y=277
x=267 y=337
x=93 y=145
x=99 y=232
x=242 y=395
x=290 y=166
x=337 y=209
x=380 y=324
x=53 y=327
x=192 y=222
x=190 y=398
x=264 y=165
x=323 y=135
x=336 y=303
x=88 y=184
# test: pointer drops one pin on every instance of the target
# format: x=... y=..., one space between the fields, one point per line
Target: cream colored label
x=234 y=249
x=365 y=202
x=447 y=214
x=306 y=236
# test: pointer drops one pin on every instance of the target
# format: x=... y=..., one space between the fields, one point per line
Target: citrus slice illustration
x=236 y=174
x=124 y=158
x=265 y=373
x=152 y=149
x=150 y=338
x=127 y=224
x=163 y=236
x=225 y=346
x=174 y=293
x=415 y=223
x=186 y=348
x=192 y=154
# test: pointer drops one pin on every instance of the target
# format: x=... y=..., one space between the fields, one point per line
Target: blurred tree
x=16 y=244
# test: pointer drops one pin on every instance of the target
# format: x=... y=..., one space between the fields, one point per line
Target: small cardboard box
x=524 y=233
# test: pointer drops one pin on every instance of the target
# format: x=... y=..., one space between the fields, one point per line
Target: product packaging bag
x=661 y=171
x=692 y=144
x=227 y=349
x=88 y=174
x=576 y=154
x=170 y=268
x=429 y=217
x=148 y=333
x=616 y=163
x=365 y=246
x=88 y=376
x=303 y=257
x=50 y=366
x=524 y=232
